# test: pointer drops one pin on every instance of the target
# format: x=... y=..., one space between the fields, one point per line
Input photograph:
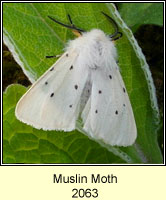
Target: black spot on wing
x=100 y=91
x=96 y=111
x=110 y=76
x=116 y=112
x=52 y=94
x=76 y=87
x=46 y=83
x=71 y=67
x=52 y=69
x=70 y=106
x=124 y=90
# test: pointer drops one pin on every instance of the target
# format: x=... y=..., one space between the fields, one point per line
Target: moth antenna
x=70 y=20
x=115 y=26
x=67 y=26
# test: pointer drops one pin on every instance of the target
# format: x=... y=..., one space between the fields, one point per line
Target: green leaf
x=31 y=35
x=136 y=14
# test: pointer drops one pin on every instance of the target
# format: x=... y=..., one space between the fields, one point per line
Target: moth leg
x=56 y=56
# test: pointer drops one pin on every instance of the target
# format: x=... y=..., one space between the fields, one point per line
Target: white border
x=2 y=90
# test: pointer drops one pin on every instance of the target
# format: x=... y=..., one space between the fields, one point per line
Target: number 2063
x=84 y=193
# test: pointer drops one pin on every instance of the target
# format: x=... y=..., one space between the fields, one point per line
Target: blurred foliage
x=137 y=14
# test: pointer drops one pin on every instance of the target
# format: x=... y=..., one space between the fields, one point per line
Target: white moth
x=85 y=82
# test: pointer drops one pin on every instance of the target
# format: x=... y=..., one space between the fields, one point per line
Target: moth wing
x=52 y=103
x=108 y=115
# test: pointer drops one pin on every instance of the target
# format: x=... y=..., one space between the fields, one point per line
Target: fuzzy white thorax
x=94 y=49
